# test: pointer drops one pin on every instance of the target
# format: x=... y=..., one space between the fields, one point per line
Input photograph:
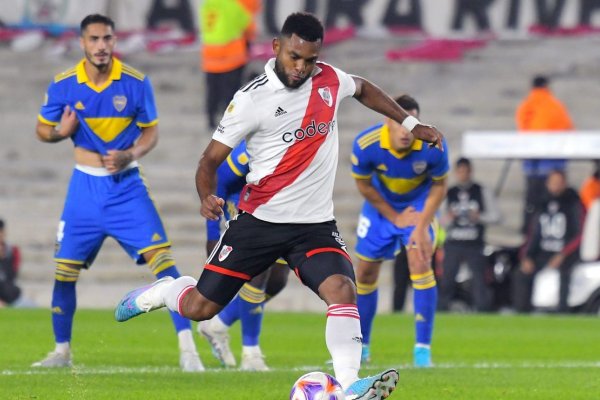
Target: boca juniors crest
x=419 y=167
x=119 y=102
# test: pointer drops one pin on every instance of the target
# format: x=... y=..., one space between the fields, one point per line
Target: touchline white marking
x=108 y=370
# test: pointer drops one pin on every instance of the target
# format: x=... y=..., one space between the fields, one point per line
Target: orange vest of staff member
x=541 y=111
x=227 y=27
x=590 y=190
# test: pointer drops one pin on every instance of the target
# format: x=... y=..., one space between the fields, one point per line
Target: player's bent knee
x=338 y=289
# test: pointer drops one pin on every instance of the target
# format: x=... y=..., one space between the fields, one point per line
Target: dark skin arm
x=377 y=100
x=206 y=179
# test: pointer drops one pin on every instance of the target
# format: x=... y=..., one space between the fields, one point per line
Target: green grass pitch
x=477 y=357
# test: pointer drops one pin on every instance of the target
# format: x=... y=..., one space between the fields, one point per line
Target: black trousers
x=456 y=253
x=522 y=284
x=535 y=194
x=220 y=89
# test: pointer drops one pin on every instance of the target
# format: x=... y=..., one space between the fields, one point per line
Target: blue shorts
x=378 y=239
x=118 y=206
x=213 y=228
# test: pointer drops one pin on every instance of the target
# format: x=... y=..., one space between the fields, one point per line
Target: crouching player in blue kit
x=249 y=303
x=107 y=109
x=404 y=182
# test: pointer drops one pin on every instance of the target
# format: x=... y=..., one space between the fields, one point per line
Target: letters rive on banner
x=436 y=17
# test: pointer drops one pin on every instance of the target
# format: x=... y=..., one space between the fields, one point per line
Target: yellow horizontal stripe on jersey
x=401 y=185
x=233 y=167
x=45 y=121
x=360 y=176
x=108 y=128
x=439 y=178
x=147 y=124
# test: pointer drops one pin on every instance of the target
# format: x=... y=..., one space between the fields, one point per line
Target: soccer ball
x=317 y=386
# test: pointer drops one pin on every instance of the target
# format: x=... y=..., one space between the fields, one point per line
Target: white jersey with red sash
x=292 y=143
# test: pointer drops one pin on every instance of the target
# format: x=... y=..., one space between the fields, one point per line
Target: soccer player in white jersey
x=288 y=117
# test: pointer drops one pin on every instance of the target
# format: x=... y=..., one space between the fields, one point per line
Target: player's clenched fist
x=212 y=207
x=430 y=134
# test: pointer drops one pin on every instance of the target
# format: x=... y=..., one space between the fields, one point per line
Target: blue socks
x=247 y=306
x=64 y=303
x=425 y=302
x=368 y=296
x=231 y=312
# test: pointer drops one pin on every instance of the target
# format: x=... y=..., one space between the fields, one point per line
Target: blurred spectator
x=542 y=112
x=469 y=208
x=552 y=243
x=227 y=28
x=590 y=190
x=10 y=259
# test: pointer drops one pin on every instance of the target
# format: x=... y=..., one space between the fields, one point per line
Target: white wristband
x=410 y=122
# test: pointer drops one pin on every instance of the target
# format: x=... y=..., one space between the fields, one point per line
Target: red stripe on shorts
x=328 y=250
x=228 y=272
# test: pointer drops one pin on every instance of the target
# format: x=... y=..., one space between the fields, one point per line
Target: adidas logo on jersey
x=280 y=111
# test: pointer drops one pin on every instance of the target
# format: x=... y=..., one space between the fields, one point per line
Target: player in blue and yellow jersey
x=404 y=182
x=249 y=303
x=107 y=109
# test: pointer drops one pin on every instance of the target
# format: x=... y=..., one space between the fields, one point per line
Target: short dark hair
x=1 y=224
x=540 y=81
x=407 y=102
x=305 y=25
x=96 y=19
x=463 y=161
x=558 y=172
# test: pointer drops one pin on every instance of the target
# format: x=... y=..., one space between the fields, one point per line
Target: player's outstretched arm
x=377 y=100
x=206 y=179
